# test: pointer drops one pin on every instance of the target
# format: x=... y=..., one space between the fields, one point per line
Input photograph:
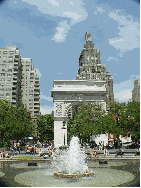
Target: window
x=31 y=81
x=31 y=77
x=2 y=74
x=5 y=52
x=10 y=56
x=9 y=70
x=27 y=69
x=2 y=79
x=30 y=107
x=11 y=52
x=8 y=89
x=27 y=61
x=8 y=84
x=3 y=65
x=7 y=94
x=3 y=69
x=9 y=74
x=10 y=61
x=4 y=61
x=30 y=95
x=31 y=74
x=30 y=103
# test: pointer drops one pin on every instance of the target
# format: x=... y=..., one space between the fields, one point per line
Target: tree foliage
x=14 y=122
x=45 y=127
x=86 y=122
x=119 y=120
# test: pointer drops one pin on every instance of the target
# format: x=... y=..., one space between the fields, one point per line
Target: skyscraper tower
x=90 y=67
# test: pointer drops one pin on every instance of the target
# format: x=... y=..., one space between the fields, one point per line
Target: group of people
x=30 y=149
x=3 y=154
x=94 y=154
x=49 y=152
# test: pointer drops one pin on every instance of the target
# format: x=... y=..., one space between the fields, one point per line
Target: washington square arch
x=92 y=85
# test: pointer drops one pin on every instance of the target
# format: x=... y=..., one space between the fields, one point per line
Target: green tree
x=14 y=122
x=6 y=121
x=117 y=112
x=131 y=119
x=23 y=124
x=45 y=127
x=86 y=122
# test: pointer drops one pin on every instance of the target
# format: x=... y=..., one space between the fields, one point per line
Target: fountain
x=71 y=162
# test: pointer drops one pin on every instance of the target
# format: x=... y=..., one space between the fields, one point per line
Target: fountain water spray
x=72 y=160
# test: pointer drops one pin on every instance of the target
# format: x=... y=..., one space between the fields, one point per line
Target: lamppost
x=64 y=130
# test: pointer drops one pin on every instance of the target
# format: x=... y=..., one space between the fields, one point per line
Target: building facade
x=136 y=91
x=18 y=80
x=30 y=87
x=90 y=67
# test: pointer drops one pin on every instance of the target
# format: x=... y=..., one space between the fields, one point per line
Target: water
x=72 y=160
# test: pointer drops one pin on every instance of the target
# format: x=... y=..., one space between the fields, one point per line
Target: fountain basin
x=61 y=175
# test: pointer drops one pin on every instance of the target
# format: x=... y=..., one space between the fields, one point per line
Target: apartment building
x=90 y=67
x=30 y=87
x=10 y=74
x=136 y=91
x=18 y=80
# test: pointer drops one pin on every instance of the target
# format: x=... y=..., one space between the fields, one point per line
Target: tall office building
x=18 y=80
x=136 y=91
x=90 y=67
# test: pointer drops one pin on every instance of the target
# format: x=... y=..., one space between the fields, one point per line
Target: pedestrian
x=94 y=153
x=105 y=151
x=1 y=154
x=40 y=153
x=49 y=152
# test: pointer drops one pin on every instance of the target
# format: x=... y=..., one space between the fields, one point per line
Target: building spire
x=88 y=37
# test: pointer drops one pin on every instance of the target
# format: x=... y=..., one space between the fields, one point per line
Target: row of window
x=9 y=56
x=4 y=65
x=9 y=61
x=5 y=52
x=9 y=70
x=2 y=84
x=7 y=94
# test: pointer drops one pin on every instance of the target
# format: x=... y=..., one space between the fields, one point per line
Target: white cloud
x=64 y=9
x=95 y=12
x=59 y=73
x=100 y=9
x=45 y=97
x=62 y=31
x=72 y=15
x=116 y=40
x=15 y=1
x=46 y=110
x=71 y=3
x=129 y=35
x=110 y=58
x=135 y=76
x=122 y=91
x=54 y=3
x=38 y=73
x=123 y=95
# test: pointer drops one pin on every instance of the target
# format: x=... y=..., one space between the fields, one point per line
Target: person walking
x=105 y=151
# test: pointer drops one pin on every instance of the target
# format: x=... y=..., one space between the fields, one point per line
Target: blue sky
x=52 y=33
